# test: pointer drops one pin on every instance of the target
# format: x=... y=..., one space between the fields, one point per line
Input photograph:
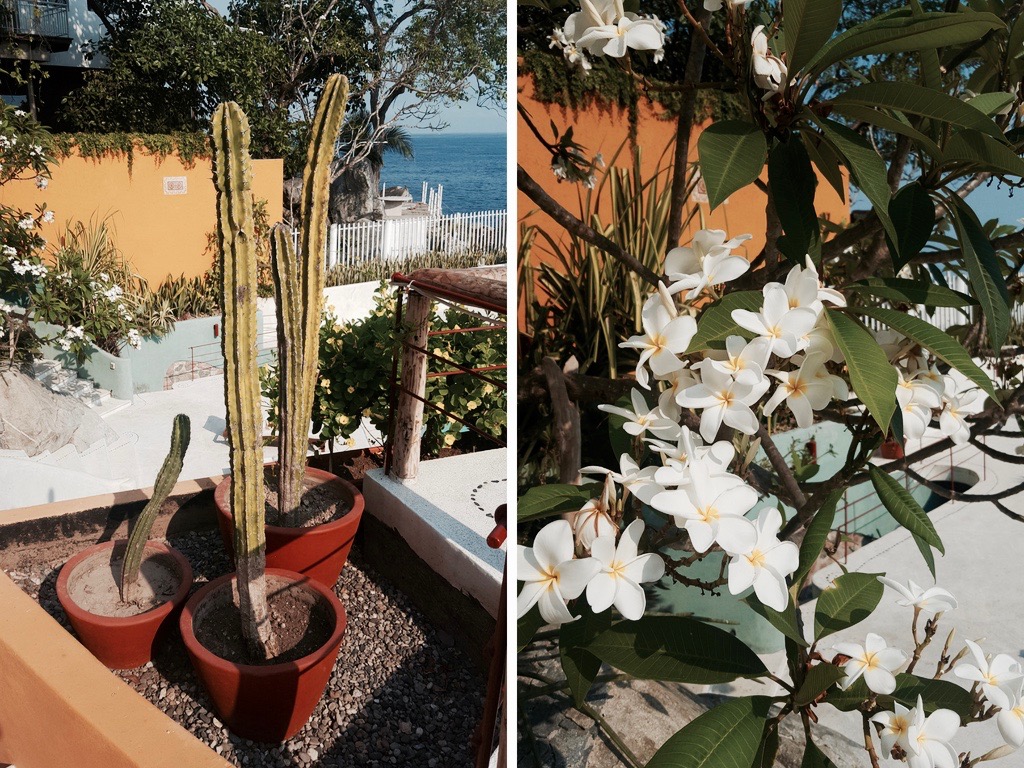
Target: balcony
x=32 y=29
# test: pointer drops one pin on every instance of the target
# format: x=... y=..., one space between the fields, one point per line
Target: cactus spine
x=236 y=241
x=299 y=283
x=165 y=481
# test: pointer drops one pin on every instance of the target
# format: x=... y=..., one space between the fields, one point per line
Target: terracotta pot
x=122 y=642
x=892 y=449
x=267 y=703
x=319 y=551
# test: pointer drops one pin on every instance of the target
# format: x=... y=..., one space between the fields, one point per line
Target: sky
x=988 y=202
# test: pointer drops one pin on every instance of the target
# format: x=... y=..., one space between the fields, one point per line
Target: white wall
x=83 y=26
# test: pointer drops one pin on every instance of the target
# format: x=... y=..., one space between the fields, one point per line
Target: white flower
x=724 y=399
x=803 y=390
x=873 y=661
x=716 y=5
x=896 y=729
x=42 y=182
x=1000 y=671
x=27 y=223
x=639 y=482
x=595 y=517
x=642 y=418
x=708 y=260
x=21 y=267
x=953 y=422
x=623 y=571
x=742 y=359
x=48 y=217
x=782 y=326
x=10 y=250
x=1011 y=719
x=113 y=293
x=630 y=31
x=766 y=565
x=551 y=575
x=711 y=507
x=686 y=451
x=770 y=72
x=75 y=332
x=134 y=338
x=64 y=343
x=928 y=601
x=932 y=736
x=104 y=277
x=666 y=335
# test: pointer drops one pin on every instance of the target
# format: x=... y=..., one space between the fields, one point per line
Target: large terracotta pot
x=122 y=642
x=319 y=551
x=267 y=703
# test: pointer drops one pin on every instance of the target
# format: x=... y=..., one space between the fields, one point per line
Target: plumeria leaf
x=911 y=292
x=926 y=552
x=896 y=123
x=808 y=25
x=847 y=601
x=983 y=152
x=913 y=217
x=726 y=736
x=553 y=499
x=982 y=264
x=784 y=621
x=792 y=182
x=992 y=103
x=825 y=160
x=815 y=758
x=732 y=155
x=527 y=627
x=851 y=698
x=579 y=665
x=936 y=694
x=904 y=507
x=716 y=323
x=676 y=649
x=817 y=533
x=819 y=679
x=873 y=378
x=768 y=749
x=939 y=343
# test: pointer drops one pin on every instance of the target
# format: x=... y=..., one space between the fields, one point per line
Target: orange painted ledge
x=60 y=707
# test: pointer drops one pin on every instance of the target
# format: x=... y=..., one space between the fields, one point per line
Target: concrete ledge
x=61 y=707
x=439 y=515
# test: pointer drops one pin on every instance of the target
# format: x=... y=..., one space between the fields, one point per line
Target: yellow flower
x=343 y=420
x=350 y=442
x=488 y=389
x=449 y=439
x=351 y=390
x=472 y=405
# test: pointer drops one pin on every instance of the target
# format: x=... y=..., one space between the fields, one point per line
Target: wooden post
x=409 y=419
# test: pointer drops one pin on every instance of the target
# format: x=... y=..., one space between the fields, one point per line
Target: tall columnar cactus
x=299 y=281
x=236 y=241
x=165 y=481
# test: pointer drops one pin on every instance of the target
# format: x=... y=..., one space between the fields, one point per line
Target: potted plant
x=119 y=595
x=263 y=640
x=313 y=514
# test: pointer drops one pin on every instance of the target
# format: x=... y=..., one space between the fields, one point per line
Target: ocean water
x=470 y=166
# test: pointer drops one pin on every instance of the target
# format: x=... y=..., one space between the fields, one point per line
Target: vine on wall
x=189 y=147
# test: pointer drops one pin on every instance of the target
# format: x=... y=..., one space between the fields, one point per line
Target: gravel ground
x=400 y=693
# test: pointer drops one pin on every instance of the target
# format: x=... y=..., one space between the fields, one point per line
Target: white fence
x=405 y=236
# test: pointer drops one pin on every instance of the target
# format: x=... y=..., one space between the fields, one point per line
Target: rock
x=37 y=420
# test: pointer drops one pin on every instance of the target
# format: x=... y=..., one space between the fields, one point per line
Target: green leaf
x=580 y=665
x=847 y=601
x=927 y=554
x=913 y=217
x=716 y=323
x=726 y=736
x=911 y=292
x=904 y=508
x=784 y=621
x=992 y=103
x=527 y=627
x=768 y=749
x=895 y=123
x=851 y=698
x=732 y=155
x=914 y=99
x=815 y=758
x=808 y=25
x=866 y=167
x=936 y=694
x=676 y=649
x=819 y=679
x=873 y=378
x=983 y=153
x=986 y=277
x=824 y=160
x=792 y=182
x=896 y=33
x=940 y=343
x=553 y=499
x=817 y=534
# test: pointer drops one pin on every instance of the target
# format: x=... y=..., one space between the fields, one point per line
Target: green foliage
x=847 y=601
x=552 y=499
x=732 y=155
x=905 y=509
x=355 y=369
x=375 y=270
x=188 y=146
x=725 y=736
x=873 y=378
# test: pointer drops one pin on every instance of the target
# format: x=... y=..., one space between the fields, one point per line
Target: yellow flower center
x=709 y=514
x=756 y=558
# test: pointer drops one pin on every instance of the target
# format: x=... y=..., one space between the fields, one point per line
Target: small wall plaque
x=175 y=185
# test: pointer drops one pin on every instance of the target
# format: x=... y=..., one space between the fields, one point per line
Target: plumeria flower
x=803 y=390
x=782 y=326
x=1011 y=719
x=551 y=575
x=742 y=359
x=622 y=573
x=48 y=217
x=804 y=288
x=716 y=5
x=630 y=31
x=708 y=260
x=723 y=400
x=1003 y=670
x=897 y=729
x=642 y=418
x=916 y=415
x=596 y=518
x=639 y=482
x=929 y=601
x=711 y=507
x=666 y=335
x=874 y=661
x=770 y=72
x=690 y=449
x=932 y=735
x=766 y=565
x=952 y=421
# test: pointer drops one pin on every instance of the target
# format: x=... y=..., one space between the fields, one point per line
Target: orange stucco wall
x=160 y=234
x=606 y=129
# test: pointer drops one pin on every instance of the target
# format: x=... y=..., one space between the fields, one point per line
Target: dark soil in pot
x=321 y=503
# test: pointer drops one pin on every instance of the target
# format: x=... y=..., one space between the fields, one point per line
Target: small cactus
x=165 y=480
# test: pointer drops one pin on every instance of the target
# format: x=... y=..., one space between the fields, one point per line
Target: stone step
x=56 y=378
x=43 y=367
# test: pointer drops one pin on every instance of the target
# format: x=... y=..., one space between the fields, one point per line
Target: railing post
x=409 y=419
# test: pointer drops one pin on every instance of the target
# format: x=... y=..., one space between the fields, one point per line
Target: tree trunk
x=409 y=419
